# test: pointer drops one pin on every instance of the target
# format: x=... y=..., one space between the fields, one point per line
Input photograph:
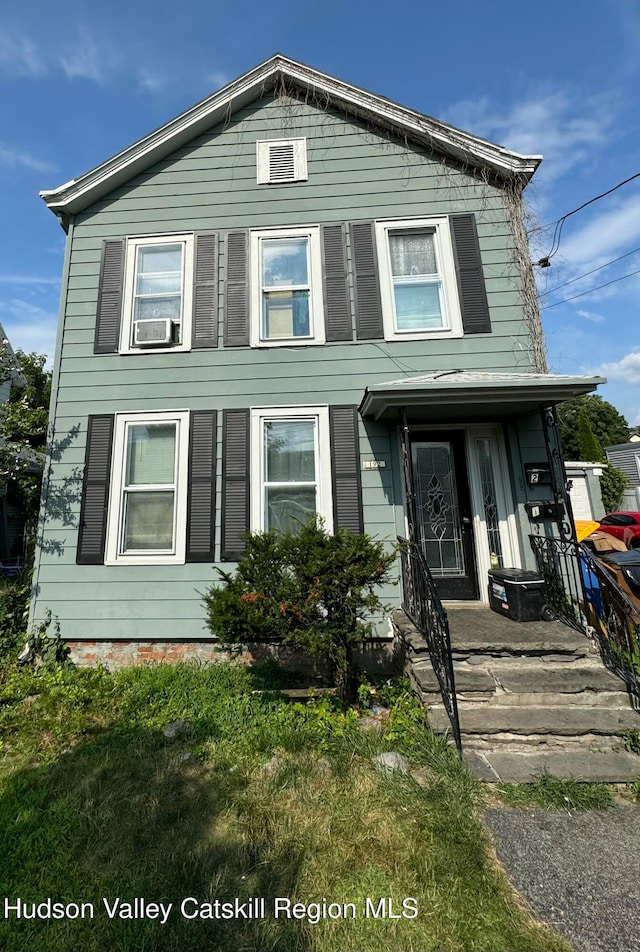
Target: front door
x=443 y=510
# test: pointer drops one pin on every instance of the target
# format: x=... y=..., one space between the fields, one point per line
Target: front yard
x=254 y=798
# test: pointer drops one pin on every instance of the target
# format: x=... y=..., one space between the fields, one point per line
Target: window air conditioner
x=152 y=333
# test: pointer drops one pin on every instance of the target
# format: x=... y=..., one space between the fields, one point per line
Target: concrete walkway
x=580 y=873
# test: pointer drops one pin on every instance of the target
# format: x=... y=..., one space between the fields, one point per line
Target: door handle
x=466 y=520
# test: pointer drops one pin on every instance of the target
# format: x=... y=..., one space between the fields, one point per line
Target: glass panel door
x=443 y=512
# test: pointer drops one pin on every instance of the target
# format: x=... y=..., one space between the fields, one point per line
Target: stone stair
x=532 y=697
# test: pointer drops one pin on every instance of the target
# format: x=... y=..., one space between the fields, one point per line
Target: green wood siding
x=356 y=173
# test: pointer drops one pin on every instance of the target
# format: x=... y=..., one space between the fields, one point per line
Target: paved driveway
x=579 y=872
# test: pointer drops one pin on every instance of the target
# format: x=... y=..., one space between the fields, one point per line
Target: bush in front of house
x=14 y=612
x=311 y=590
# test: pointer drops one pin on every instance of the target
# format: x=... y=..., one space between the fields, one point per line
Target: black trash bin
x=516 y=593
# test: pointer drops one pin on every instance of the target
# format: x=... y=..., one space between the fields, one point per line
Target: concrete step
x=524 y=766
x=528 y=675
x=523 y=675
x=533 y=638
x=467 y=677
x=594 y=699
x=562 y=720
x=527 y=742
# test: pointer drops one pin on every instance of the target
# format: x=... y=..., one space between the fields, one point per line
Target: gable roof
x=78 y=194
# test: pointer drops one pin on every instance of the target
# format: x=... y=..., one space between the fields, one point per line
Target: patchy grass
x=554 y=794
x=280 y=800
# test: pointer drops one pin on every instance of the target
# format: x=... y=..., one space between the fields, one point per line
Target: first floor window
x=286 y=287
x=417 y=279
x=291 y=478
x=147 y=504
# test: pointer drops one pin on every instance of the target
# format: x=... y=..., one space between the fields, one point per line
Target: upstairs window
x=287 y=304
x=417 y=280
x=281 y=160
x=157 y=293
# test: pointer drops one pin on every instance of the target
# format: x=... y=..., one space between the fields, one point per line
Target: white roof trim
x=77 y=194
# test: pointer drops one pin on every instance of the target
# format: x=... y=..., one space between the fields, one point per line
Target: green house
x=295 y=297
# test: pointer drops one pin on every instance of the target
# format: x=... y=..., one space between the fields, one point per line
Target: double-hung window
x=157 y=293
x=291 y=468
x=286 y=299
x=147 y=506
x=418 y=279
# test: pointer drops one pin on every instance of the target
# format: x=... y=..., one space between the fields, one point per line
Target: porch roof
x=462 y=395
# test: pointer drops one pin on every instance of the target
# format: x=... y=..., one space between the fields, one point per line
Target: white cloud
x=27 y=279
x=88 y=59
x=29 y=327
x=608 y=232
x=562 y=125
x=152 y=81
x=19 y=56
x=591 y=316
x=18 y=158
x=626 y=369
x=217 y=80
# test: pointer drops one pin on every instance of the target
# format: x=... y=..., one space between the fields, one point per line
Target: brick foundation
x=119 y=654
x=376 y=657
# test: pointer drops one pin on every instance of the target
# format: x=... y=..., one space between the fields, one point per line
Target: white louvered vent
x=281 y=160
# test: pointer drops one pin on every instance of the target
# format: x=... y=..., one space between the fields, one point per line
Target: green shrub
x=612 y=484
x=310 y=589
x=14 y=612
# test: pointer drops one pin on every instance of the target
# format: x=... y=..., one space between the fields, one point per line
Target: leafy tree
x=309 y=589
x=23 y=430
x=612 y=484
x=608 y=425
x=590 y=449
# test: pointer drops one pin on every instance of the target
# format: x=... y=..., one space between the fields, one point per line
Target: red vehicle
x=624 y=526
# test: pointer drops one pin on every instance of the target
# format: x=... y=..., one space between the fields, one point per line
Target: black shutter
x=235 y=483
x=109 y=313
x=336 y=295
x=236 y=310
x=345 y=469
x=201 y=495
x=205 y=292
x=471 y=287
x=365 y=266
x=92 y=533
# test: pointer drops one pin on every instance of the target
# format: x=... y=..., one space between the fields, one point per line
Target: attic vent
x=281 y=160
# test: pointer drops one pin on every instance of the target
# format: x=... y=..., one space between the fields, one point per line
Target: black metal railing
x=422 y=605
x=585 y=595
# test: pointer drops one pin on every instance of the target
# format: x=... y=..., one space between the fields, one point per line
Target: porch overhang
x=456 y=395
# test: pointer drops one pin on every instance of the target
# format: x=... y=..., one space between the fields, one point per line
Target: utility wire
x=587 y=273
x=555 y=243
x=630 y=275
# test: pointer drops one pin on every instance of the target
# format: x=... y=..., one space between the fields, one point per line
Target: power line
x=587 y=273
x=630 y=275
x=555 y=242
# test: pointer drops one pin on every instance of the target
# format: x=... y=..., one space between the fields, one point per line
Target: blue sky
x=79 y=84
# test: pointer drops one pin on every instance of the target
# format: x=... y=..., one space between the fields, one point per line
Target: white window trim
x=116 y=494
x=263 y=163
x=323 y=449
x=126 y=331
x=444 y=251
x=316 y=297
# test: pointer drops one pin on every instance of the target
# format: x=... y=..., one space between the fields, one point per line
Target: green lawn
x=95 y=803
